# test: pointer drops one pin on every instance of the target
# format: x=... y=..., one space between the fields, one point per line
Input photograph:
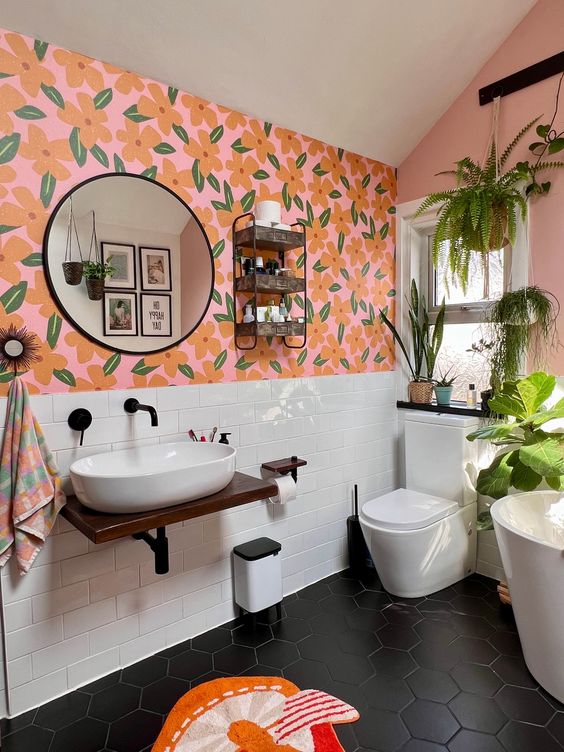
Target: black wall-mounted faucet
x=133 y=405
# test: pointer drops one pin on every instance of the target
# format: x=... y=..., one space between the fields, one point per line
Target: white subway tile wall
x=86 y=610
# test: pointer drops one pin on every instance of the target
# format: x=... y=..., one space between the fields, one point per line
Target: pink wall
x=464 y=130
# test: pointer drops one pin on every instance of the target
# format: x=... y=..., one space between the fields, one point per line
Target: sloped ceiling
x=372 y=76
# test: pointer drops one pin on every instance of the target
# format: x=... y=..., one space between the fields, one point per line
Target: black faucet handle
x=131 y=405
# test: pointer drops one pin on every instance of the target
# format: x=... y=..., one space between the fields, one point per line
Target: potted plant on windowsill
x=95 y=273
x=443 y=388
x=425 y=344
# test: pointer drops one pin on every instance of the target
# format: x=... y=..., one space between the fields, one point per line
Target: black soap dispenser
x=223 y=438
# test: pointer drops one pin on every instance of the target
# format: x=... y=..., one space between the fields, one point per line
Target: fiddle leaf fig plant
x=530 y=454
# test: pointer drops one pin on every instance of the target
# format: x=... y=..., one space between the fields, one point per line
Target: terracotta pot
x=498 y=233
x=95 y=288
x=73 y=272
x=420 y=392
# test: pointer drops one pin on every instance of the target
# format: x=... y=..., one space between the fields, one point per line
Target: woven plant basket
x=420 y=392
x=95 y=288
x=73 y=272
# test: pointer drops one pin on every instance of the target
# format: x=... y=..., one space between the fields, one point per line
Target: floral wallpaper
x=65 y=117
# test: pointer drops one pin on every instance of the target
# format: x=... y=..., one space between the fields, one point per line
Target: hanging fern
x=522 y=325
x=481 y=213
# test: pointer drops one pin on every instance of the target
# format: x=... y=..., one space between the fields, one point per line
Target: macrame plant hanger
x=72 y=269
x=493 y=142
x=94 y=241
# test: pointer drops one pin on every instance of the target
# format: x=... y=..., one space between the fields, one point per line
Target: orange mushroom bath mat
x=254 y=714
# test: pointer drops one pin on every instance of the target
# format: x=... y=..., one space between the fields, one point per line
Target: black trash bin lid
x=257 y=549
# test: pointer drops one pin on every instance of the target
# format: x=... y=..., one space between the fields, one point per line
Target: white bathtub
x=530 y=533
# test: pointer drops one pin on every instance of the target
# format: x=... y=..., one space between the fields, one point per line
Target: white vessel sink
x=151 y=477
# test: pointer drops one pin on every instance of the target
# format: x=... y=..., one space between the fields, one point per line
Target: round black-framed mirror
x=128 y=263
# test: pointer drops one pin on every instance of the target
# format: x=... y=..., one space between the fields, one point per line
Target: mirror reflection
x=128 y=263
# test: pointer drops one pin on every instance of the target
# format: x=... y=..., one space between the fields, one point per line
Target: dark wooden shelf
x=284 y=466
x=455 y=408
x=101 y=527
x=269 y=239
x=270 y=329
x=270 y=283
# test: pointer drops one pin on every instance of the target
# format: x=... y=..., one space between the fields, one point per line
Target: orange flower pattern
x=65 y=117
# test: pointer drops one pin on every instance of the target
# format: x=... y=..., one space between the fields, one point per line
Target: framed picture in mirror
x=120 y=314
x=156 y=318
x=155 y=269
x=122 y=257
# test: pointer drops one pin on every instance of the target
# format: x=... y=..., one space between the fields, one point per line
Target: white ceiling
x=372 y=76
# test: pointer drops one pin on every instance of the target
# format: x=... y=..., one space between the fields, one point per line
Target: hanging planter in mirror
x=96 y=271
x=481 y=213
x=72 y=270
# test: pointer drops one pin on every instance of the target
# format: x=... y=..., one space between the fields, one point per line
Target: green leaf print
x=78 y=151
x=14 y=297
x=54 y=95
x=111 y=364
x=9 y=147
x=141 y=368
x=133 y=114
x=216 y=134
x=40 y=49
x=65 y=376
x=164 y=148
x=29 y=112
x=103 y=99
x=186 y=370
x=181 y=133
x=100 y=155
x=48 y=184
x=53 y=330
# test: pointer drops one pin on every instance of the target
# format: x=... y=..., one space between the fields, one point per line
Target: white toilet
x=423 y=538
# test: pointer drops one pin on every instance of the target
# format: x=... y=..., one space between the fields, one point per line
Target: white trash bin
x=258 y=576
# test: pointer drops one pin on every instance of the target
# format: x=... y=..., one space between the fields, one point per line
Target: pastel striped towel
x=31 y=495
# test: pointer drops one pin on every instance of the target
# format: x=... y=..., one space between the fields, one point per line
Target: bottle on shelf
x=472 y=396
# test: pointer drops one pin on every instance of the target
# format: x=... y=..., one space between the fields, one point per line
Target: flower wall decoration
x=65 y=117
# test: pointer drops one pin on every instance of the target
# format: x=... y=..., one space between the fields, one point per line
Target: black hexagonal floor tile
x=512 y=670
x=431 y=721
x=398 y=636
x=62 y=711
x=372 y=599
x=337 y=604
x=556 y=727
x=302 y=609
x=306 y=674
x=145 y=672
x=475 y=650
x=190 y=664
x=380 y=730
x=260 y=670
x=436 y=655
x=334 y=626
x=393 y=662
x=435 y=630
x=102 y=683
x=522 y=737
x=471 y=586
x=318 y=648
x=292 y=630
x=471 y=626
x=133 y=732
x=277 y=653
x=436 y=609
x=234 y=659
x=346 y=587
x=214 y=640
x=480 y=680
x=252 y=638
x=437 y=686
x=474 y=741
x=87 y=735
x=315 y=592
x=352 y=669
x=362 y=618
x=525 y=705
x=113 y=702
x=387 y=693
x=420 y=745
x=162 y=695
x=478 y=713
x=28 y=738
x=506 y=643
x=399 y=613
x=358 y=642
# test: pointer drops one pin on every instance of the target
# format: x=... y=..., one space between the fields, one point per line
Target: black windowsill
x=455 y=408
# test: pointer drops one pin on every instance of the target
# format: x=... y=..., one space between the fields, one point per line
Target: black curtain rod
x=552 y=66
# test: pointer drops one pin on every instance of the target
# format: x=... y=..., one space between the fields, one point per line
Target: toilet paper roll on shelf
x=287 y=490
